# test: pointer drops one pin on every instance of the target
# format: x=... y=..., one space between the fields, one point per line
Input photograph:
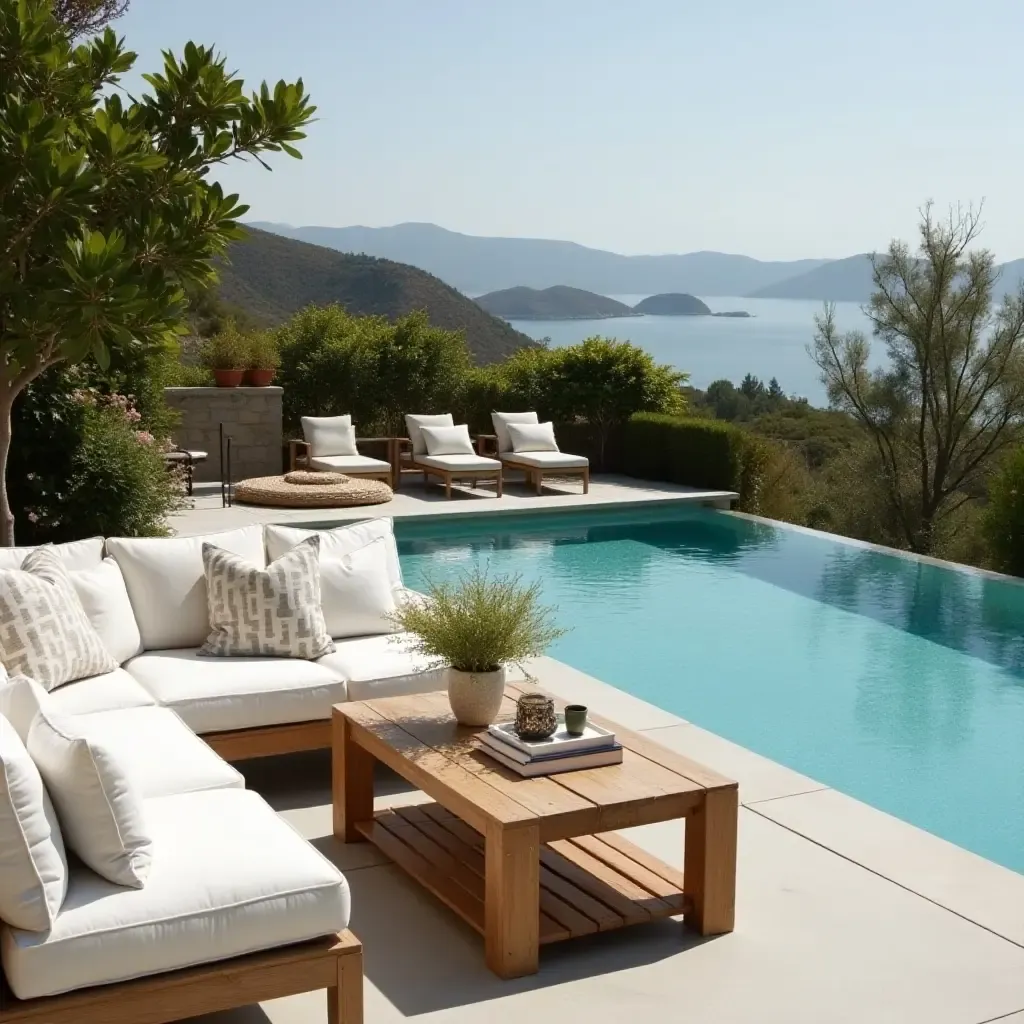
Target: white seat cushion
x=546 y=460
x=413 y=423
x=383 y=666
x=329 y=435
x=448 y=440
x=167 y=584
x=79 y=554
x=108 y=692
x=501 y=420
x=350 y=464
x=459 y=463
x=159 y=752
x=222 y=694
x=231 y=878
x=105 y=599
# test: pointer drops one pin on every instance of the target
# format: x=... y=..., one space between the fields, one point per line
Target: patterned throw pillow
x=273 y=612
x=44 y=631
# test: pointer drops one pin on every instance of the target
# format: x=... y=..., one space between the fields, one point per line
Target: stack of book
x=562 y=752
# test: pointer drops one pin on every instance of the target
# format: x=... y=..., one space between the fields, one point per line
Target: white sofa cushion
x=231 y=878
x=350 y=464
x=356 y=592
x=384 y=666
x=340 y=541
x=448 y=440
x=159 y=752
x=459 y=463
x=414 y=423
x=222 y=694
x=167 y=584
x=44 y=631
x=33 y=867
x=532 y=437
x=98 y=805
x=78 y=554
x=105 y=599
x=21 y=698
x=329 y=435
x=547 y=460
x=501 y=420
x=273 y=612
x=110 y=692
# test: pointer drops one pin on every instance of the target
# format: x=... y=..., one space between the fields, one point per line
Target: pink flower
x=143 y=437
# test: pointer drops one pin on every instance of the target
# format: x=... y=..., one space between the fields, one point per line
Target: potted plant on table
x=226 y=354
x=477 y=626
x=264 y=357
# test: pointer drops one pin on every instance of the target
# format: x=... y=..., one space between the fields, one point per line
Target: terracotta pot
x=475 y=697
x=259 y=378
x=228 y=378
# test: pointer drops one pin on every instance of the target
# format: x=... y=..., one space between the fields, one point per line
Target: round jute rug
x=302 y=489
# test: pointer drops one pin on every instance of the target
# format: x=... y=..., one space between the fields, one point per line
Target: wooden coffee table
x=531 y=861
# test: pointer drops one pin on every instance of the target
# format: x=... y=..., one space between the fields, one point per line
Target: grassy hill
x=271 y=277
x=556 y=303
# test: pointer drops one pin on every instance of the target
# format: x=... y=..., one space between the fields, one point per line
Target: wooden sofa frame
x=334 y=962
x=487 y=446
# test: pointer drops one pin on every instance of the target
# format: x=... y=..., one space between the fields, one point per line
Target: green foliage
x=186 y=375
x=228 y=349
x=81 y=17
x=262 y=351
x=1004 y=516
x=480 y=623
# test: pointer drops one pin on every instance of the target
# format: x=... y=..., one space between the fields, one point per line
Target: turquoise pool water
x=897 y=682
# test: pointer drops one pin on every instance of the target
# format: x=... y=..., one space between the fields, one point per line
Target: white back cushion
x=448 y=440
x=356 y=592
x=79 y=554
x=33 y=866
x=532 y=437
x=501 y=420
x=342 y=540
x=20 y=699
x=108 y=607
x=167 y=583
x=414 y=423
x=99 y=808
x=329 y=435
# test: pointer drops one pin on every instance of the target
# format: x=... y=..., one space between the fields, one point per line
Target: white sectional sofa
x=233 y=892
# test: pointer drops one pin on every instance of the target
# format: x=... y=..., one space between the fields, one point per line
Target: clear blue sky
x=799 y=128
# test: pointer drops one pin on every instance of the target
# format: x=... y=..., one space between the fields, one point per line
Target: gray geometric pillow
x=44 y=631
x=274 y=612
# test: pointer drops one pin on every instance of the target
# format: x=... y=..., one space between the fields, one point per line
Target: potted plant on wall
x=263 y=359
x=226 y=355
x=477 y=626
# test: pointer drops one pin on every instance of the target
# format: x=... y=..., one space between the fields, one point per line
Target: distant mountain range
x=476 y=265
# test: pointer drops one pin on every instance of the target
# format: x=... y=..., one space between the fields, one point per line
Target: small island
x=679 y=304
x=557 y=303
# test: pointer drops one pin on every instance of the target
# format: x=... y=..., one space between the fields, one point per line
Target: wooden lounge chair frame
x=334 y=962
x=299 y=458
x=487 y=447
x=446 y=476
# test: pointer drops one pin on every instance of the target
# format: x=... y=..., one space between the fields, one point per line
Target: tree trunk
x=6 y=516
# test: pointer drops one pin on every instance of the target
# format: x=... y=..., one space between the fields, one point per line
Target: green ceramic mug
x=575 y=719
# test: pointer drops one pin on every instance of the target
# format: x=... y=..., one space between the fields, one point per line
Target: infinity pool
x=897 y=682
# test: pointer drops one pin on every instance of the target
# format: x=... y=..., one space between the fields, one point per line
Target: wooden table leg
x=512 y=900
x=351 y=780
x=709 y=866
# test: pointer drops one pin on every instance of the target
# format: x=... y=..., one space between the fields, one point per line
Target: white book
x=593 y=738
x=556 y=765
x=490 y=742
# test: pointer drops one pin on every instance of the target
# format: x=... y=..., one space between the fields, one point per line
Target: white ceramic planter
x=475 y=697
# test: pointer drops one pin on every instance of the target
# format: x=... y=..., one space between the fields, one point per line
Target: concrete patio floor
x=844 y=914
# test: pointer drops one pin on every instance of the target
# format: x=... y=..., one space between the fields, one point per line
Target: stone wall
x=251 y=417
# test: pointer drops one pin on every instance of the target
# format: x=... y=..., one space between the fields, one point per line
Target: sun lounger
x=437 y=447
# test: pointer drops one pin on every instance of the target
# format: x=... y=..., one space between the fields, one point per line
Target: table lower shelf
x=587 y=884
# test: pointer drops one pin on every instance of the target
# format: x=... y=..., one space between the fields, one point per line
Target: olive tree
x=108 y=211
x=81 y=17
x=950 y=397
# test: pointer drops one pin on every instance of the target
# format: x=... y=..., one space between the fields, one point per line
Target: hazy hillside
x=846 y=280
x=476 y=264
x=272 y=277
x=558 y=303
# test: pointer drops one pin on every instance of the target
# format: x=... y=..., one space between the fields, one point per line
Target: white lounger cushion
x=383 y=666
x=222 y=694
x=105 y=599
x=329 y=435
x=501 y=420
x=231 y=878
x=167 y=583
x=546 y=460
x=532 y=437
x=79 y=554
x=159 y=753
x=448 y=440
x=459 y=463
x=413 y=423
x=113 y=691
x=349 y=464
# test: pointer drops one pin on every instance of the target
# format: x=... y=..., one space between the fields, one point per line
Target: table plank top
x=418 y=737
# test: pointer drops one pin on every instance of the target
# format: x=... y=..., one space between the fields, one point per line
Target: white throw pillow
x=532 y=437
x=44 y=631
x=340 y=541
x=501 y=420
x=329 y=435
x=21 y=699
x=33 y=865
x=166 y=582
x=414 y=425
x=77 y=554
x=272 y=612
x=356 y=592
x=105 y=600
x=448 y=440
x=100 y=811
